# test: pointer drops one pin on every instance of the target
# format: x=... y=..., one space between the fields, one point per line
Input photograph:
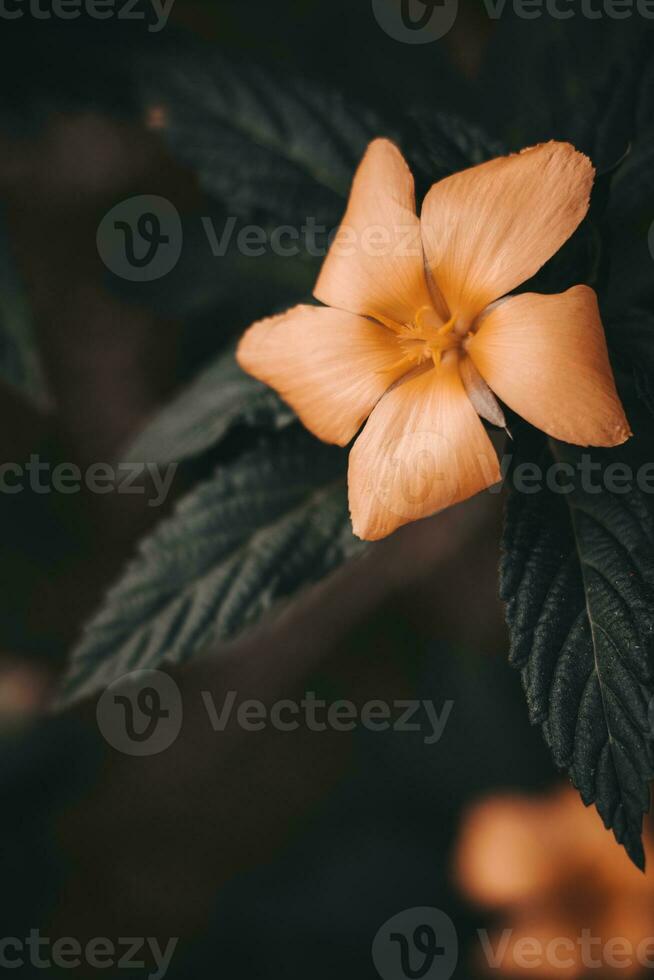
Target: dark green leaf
x=282 y=149
x=578 y=579
x=631 y=336
x=19 y=359
x=260 y=144
x=221 y=397
x=260 y=529
x=590 y=96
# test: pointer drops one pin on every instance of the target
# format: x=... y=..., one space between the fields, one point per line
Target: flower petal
x=546 y=357
x=483 y=400
x=488 y=229
x=375 y=265
x=331 y=367
x=423 y=449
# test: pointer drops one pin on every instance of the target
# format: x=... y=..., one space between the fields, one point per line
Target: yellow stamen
x=422 y=340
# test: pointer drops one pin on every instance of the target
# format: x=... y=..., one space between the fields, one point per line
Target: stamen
x=422 y=340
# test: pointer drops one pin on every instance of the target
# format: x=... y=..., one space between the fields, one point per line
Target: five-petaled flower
x=418 y=331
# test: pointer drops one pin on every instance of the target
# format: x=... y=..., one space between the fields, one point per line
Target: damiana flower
x=546 y=867
x=418 y=331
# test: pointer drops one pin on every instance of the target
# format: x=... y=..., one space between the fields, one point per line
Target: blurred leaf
x=631 y=336
x=589 y=98
x=632 y=188
x=437 y=144
x=221 y=397
x=20 y=364
x=645 y=109
x=276 y=155
x=630 y=217
x=578 y=577
x=606 y=125
x=283 y=149
x=223 y=277
x=577 y=261
x=262 y=527
x=262 y=145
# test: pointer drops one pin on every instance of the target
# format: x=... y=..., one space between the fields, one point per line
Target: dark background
x=334 y=836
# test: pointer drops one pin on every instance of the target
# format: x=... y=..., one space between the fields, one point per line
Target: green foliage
x=578 y=580
x=220 y=398
x=259 y=529
x=631 y=334
x=281 y=149
x=20 y=364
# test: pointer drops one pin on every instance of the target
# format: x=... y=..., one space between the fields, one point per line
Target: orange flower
x=552 y=872
x=413 y=336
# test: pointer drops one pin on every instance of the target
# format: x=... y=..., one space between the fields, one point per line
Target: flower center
x=427 y=337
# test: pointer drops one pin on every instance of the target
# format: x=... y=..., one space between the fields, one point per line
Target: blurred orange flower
x=572 y=903
x=414 y=336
